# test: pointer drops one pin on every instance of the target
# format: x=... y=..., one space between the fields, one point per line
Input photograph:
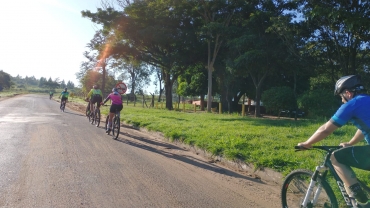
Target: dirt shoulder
x=8 y=96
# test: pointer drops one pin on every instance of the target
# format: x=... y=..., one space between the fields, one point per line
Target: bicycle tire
x=63 y=106
x=116 y=127
x=87 y=112
x=106 y=123
x=295 y=186
x=97 y=118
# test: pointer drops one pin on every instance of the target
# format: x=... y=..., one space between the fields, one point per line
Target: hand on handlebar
x=345 y=144
x=303 y=146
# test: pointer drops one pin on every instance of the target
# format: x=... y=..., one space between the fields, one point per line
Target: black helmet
x=350 y=82
x=114 y=89
x=65 y=89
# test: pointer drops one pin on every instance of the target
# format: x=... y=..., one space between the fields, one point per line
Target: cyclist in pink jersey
x=116 y=99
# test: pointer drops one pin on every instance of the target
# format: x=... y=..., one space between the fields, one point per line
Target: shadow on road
x=74 y=113
x=186 y=159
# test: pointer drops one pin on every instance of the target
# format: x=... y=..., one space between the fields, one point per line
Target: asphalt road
x=53 y=159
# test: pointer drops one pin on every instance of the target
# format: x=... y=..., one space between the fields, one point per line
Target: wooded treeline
x=7 y=81
x=231 y=48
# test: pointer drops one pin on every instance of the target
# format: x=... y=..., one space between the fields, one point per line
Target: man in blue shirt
x=356 y=110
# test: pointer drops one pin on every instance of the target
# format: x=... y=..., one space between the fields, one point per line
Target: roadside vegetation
x=263 y=142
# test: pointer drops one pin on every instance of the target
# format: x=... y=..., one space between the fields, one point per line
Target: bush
x=279 y=98
x=318 y=103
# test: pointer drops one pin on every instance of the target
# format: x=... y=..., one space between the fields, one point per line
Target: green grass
x=260 y=141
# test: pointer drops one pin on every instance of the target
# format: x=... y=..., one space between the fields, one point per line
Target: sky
x=45 y=38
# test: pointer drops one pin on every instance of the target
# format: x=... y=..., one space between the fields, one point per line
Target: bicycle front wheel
x=296 y=185
x=106 y=122
x=116 y=127
x=97 y=118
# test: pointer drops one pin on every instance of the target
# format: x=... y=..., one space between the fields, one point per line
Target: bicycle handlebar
x=326 y=148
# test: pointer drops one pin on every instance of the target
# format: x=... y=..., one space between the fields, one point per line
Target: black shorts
x=114 y=107
x=96 y=99
x=354 y=156
x=64 y=99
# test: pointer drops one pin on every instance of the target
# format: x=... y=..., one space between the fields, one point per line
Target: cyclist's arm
x=89 y=94
x=106 y=99
x=321 y=133
x=355 y=139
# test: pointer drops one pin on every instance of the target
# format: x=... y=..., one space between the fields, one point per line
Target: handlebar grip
x=300 y=148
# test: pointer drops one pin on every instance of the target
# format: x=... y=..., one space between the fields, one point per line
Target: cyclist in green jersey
x=64 y=95
x=95 y=96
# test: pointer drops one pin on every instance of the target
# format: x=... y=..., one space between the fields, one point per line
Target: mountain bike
x=116 y=124
x=63 y=106
x=94 y=117
x=304 y=188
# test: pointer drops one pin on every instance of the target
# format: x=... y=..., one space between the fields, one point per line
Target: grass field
x=264 y=142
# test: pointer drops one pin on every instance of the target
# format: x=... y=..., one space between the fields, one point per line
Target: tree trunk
x=258 y=83
x=202 y=102
x=257 y=109
x=168 y=89
x=210 y=70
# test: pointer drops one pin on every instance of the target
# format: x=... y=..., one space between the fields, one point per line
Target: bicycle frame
x=321 y=171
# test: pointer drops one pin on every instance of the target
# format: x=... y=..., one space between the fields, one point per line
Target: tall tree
x=5 y=80
x=216 y=16
x=258 y=51
x=339 y=35
x=162 y=40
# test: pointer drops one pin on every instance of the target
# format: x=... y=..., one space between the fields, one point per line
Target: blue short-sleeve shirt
x=357 y=111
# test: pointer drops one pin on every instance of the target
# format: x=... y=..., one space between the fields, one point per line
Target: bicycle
x=63 y=106
x=304 y=188
x=94 y=117
x=116 y=124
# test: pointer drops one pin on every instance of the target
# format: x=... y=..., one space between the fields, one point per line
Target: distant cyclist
x=51 y=93
x=356 y=110
x=95 y=96
x=64 y=95
x=116 y=99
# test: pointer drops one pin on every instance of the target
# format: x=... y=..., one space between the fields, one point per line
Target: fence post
x=195 y=108
x=219 y=108
x=183 y=106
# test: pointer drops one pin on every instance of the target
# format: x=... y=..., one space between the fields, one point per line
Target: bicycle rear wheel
x=295 y=187
x=88 y=111
x=63 y=106
x=116 y=127
x=97 y=118
x=106 y=123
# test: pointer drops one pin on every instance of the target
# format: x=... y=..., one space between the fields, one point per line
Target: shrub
x=318 y=103
x=279 y=98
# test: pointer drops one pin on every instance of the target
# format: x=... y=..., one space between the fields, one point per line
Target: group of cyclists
x=96 y=96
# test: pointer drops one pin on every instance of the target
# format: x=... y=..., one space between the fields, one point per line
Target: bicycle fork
x=347 y=194
x=313 y=181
